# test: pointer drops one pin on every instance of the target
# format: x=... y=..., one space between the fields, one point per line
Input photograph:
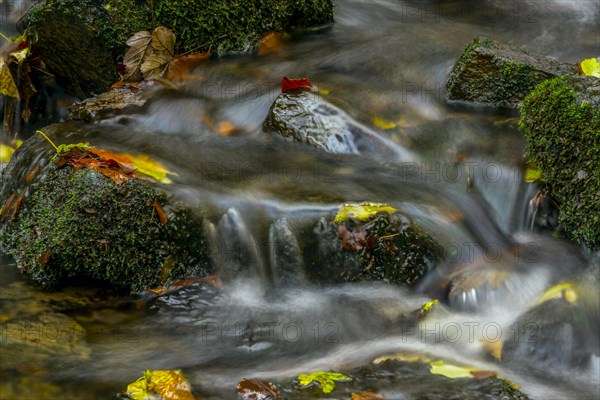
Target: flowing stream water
x=382 y=60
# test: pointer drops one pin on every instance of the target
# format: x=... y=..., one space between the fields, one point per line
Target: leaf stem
x=202 y=45
x=4 y=37
x=48 y=139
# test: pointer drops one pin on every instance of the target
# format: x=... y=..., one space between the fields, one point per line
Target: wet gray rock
x=498 y=75
x=106 y=105
x=306 y=117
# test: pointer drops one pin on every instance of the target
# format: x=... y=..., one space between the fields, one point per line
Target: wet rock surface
x=385 y=246
x=107 y=104
x=306 y=117
x=498 y=75
x=561 y=122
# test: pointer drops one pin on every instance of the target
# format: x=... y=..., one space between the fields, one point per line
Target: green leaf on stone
x=325 y=379
x=590 y=67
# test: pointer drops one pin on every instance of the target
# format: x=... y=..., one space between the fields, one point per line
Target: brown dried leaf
x=163 y=40
x=45 y=257
x=271 y=42
x=139 y=45
x=16 y=205
x=180 y=67
x=256 y=389
x=6 y=207
x=155 y=64
x=483 y=374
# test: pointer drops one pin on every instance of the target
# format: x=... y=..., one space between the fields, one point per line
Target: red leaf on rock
x=288 y=84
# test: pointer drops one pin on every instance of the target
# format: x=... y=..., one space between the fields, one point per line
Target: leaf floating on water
x=367 y=396
x=226 y=128
x=384 y=124
x=168 y=384
x=288 y=84
x=271 y=42
x=256 y=389
x=590 y=67
x=139 y=45
x=325 y=379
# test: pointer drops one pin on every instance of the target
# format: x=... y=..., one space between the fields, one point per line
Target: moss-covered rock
x=377 y=244
x=561 y=121
x=492 y=73
x=81 y=40
x=80 y=225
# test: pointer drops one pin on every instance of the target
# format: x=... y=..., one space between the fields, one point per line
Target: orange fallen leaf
x=6 y=207
x=367 y=396
x=16 y=205
x=181 y=67
x=271 y=42
x=257 y=389
x=45 y=257
x=226 y=128
x=161 y=213
x=31 y=174
x=483 y=374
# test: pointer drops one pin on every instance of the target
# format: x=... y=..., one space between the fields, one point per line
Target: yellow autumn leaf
x=168 y=384
x=405 y=357
x=7 y=83
x=590 y=67
x=533 y=174
x=450 y=371
x=383 y=123
x=7 y=151
x=148 y=166
x=362 y=212
x=325 y=379
x=565 y=290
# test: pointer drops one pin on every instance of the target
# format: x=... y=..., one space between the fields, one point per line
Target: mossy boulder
x=370 y=241
x=68 y=226
x=561 y=121
x=306 y=117
x=498 y=75
x=81 y=40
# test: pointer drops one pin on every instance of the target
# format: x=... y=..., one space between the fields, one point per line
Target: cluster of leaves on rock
x=152 y=55
x=19 y=68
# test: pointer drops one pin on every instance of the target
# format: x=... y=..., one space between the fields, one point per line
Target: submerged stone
x=498 y=75
x=72 y=225
x=561 y=122
x=81 y=41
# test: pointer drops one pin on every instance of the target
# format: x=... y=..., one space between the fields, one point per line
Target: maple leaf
x=288 y=84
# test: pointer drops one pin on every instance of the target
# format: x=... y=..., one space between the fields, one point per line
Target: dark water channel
x=381 y=61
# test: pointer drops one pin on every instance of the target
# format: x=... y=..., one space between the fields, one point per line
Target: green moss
x=232 y=25
x=91 y=228
x=563 y=140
